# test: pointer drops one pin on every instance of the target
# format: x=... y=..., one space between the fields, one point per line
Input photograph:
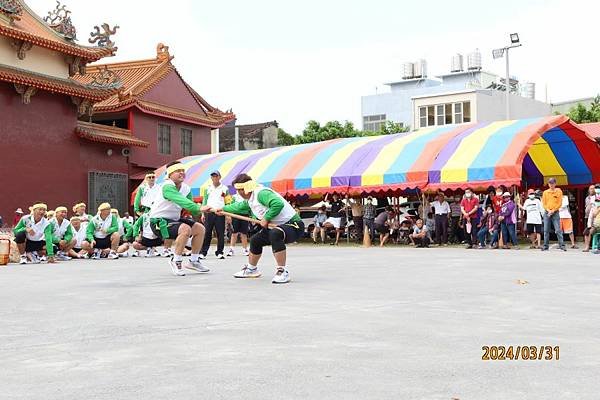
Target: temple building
x=74 y=132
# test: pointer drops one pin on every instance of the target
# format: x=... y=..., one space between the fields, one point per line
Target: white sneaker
x=149 y=252
x=43 y=259
x=23 y=259
x=112 y=255
x=202 y=256
x=165 y=252
x=60 y=256
x=220 y=256
x=135 y=253
x=97 y=255
x=247 y=272
x=230 y=253
x=35 y=259
x=282 y=276
x=176 y=267
x=246 y=252
x=197 y=266
x=124 y=255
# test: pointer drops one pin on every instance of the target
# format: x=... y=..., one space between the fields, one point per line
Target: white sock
x=194 y=257
x=250 y=266
x=178 y=257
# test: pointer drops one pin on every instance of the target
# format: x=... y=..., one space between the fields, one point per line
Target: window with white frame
x=374 y=122
x=445 y=114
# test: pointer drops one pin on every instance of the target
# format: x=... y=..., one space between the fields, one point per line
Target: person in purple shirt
x=508 y=221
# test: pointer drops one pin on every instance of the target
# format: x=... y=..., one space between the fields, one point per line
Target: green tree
x=582 y=114
x=284 y=138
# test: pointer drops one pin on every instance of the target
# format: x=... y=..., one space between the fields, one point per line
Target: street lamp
x=499 y=53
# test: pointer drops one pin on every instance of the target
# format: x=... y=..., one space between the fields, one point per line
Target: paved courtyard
x=393 y=323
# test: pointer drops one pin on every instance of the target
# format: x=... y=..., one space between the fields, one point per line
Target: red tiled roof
x=592 y=129
x=138 y=77
x=107 y=134
x=55 y=85
x=31 y=28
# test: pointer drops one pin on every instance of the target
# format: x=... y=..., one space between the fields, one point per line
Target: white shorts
x=336 y=222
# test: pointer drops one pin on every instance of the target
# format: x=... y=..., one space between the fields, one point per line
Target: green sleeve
x=54 y=230
x=204 y=196
x=20 y=226
x=275 y=204
x=89 y=234
x=49 y=237
x=114 y=226
x=68 y=234
x=171 y=193
x=240 y=208
x=128 y=229
x=137 y=203
x=137 y=226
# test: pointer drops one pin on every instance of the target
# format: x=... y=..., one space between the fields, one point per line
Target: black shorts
x=151 y=242
x=173 y=226
x=382 y=229
x=76 y=249
x=34 y=245
x=103 y=243
x=292 y=232
x=534 y=228
x=240 y=226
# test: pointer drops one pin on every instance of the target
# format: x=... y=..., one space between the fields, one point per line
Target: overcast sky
x=296 y=61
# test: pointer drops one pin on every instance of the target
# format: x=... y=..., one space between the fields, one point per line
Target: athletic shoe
x=62 y=257
x=282 y=276
x=544 y=248
x=201 y=256
x=197 y=266
x=124 y=255
x=23 y=259
x=230 y=253
x=35 y=259
x=220 y=256
x=563 y=248
x=135 y=253
x=166 y=253
x=97 y=255
x=176 y=267
x=246 y=252
x=247 y=272
x=112 y=255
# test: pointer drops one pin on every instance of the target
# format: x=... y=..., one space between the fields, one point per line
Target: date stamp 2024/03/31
x=501 y=353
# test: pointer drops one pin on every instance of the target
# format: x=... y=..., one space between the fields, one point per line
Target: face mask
x=498 y=194
x=468 y=195
x=532 y=196
x=597 y=190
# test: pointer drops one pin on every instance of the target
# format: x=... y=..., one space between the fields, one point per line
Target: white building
x=480 y=93
x=474 y=105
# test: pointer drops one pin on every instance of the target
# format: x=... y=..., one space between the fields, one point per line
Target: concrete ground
x=393 y=323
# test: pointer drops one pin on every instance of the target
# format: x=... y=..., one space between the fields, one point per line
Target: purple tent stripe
x=199 y=165
x=435 y=173
x=246 y=164
x=531 y=173
x=366 y=154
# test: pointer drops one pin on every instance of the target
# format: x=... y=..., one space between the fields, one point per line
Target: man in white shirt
x=442 y=210
x=534 y=209
x=566 y=221
x=216 y=196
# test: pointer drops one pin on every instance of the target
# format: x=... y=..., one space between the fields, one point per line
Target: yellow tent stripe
x=545 y=160
x=264 y=162
x=228 y=165
x=322 y=178
x=457 y=166
x=373 y=175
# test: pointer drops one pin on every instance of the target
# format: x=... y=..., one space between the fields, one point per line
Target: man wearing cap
x=18 y=216
x=535 y=210
x=33 y=233
x=62 y=234
x=173 y=196
x=215 y=196
x=279 y=221
x=102 y=234
x=145 y=194
x=552 y=201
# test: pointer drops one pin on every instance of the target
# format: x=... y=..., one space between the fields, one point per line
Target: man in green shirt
x=280 y=225
x=102 y=235
x=144 y=195
x=33 y=234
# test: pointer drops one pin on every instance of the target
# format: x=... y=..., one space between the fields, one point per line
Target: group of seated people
x=50 y=236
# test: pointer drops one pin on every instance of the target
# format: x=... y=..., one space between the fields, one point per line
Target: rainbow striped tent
x=518 y=152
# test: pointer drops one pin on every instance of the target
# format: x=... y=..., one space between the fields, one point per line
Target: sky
x=297 y=61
